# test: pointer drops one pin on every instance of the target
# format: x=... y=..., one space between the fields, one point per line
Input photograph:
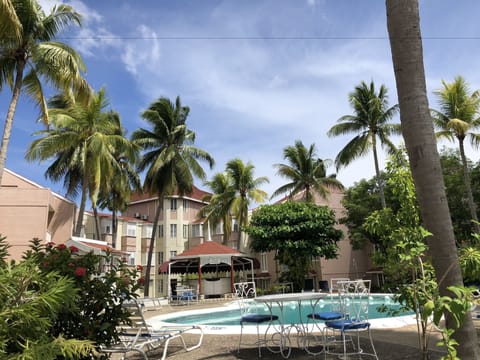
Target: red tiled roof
x=98 y=246
x=195 y=194
x=209 y=248
x=102 y=247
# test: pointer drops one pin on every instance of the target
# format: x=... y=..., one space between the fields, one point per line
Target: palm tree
x=403 y=22
x=245 y=189
x=29 y=56
x=370 y=120
x=305 y=171
x=170 y=159
x=115 y=195
x=218 y=209
x=458 y=118
x=82 y=139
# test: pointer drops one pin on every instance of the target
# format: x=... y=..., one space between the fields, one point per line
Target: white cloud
x=143 y=54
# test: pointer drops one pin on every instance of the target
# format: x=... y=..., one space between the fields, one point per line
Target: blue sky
x=257 y=75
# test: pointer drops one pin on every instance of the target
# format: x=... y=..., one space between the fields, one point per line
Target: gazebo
x=210 y=257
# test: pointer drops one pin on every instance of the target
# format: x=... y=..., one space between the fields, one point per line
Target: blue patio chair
x=354 y=296
x=332 y=310
x=245 y=292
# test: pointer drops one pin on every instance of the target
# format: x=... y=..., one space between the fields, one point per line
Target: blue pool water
x=231 y=316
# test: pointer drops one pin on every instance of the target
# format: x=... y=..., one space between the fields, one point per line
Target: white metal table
x=284 y=330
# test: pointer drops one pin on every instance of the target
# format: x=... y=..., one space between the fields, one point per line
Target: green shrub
x=30 y=304
x=102 y=284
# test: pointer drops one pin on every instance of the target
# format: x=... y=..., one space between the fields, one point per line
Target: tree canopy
x=298 y=232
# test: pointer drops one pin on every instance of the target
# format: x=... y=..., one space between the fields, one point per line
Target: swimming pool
x=230 y=314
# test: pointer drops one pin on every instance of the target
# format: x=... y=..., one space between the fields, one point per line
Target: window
x=185 y=205
x=196 y=230
x=219 y=228
x=235 y=226
x=264 y=262
x=107 y=229
x=160 y=257
x=173 y=204
x=147 y=230
x=160 y=230
x=173 y=230
x=185 y=231
x=131 y=229
x=173 y=254
x=160 y=286
x=131 y=259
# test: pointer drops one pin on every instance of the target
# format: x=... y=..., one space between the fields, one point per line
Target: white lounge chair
x=140 y=337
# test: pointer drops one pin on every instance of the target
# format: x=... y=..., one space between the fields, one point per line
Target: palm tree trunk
x=114 y=228
x=377 y=173
x=406 y=45
x=97 y=222
x=81 y=209
x=7 y=130
x=146 y=289
x=468 y=188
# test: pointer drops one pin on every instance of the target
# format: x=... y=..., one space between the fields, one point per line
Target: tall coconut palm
x=29 y=56
x=218 y=209
x=82 y=140
x=371 y=120
x=306 y=172
x=115 y=195
x=170 y=160
x=458 y=118
x=245 y=190
x=403 y=22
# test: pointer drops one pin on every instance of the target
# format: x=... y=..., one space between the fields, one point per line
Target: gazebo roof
x=208 y=248
x=210 y=256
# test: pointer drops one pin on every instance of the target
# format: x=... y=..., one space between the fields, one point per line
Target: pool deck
x=394 y=338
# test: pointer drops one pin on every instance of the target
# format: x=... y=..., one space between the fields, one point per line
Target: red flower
x=73 y=249
x=141 y=280
x=139 y=267
x=50 y=244
x=124 y=259
x=61 y=247
x=80 y=271
x=45 y=263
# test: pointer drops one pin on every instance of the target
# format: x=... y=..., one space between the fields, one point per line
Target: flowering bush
x=103 y=284
x=30 y=303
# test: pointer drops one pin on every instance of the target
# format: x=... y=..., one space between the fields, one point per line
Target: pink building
x=29 y=210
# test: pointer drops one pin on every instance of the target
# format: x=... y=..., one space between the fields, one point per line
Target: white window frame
x=131 y=229
x=148 y=229
x=173 y=230
x=264 y=262
x=173 y=204
x=197 y=230
x=131 y=259
x=185 y=231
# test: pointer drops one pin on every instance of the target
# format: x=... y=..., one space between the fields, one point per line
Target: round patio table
x=284 y=329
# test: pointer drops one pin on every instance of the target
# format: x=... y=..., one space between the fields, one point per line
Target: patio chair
x=354 y=297
x=140 y=337
x=245 y=292
x=332 y=310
